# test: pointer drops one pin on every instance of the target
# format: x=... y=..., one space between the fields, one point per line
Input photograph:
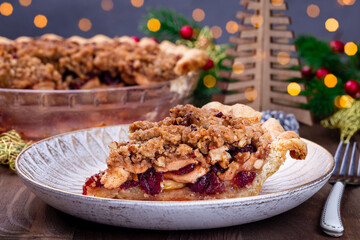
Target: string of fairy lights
x=313 y=11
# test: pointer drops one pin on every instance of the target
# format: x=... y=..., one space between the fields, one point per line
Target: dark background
x=123 y=19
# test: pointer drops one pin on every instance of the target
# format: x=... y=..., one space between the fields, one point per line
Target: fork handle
x=331 y=218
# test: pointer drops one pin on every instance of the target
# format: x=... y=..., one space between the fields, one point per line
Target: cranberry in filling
x=209 y=184
x=129 y=184
x=217 y=168
x=93 y=179
x=200 y=185
x=244 y=178
x=150 y=181
x=215 y=185
x=184 y=170
x=106 y=78
x=219 y=114
x=247 y=148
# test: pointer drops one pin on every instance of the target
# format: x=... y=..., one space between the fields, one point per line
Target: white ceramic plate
x=56 y=168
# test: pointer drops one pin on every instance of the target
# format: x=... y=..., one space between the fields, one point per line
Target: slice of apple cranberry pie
x=216 y=151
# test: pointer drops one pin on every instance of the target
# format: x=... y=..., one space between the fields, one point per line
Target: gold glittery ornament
x=347 y=119
x=11 y=144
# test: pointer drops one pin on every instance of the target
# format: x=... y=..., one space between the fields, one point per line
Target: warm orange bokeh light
x=250 y=94
x=313 y=10
x=331 y=25
x=216 y=31
x=283 y=58
x=277 y=2
x=232 y=27
x=137 y=3
x=257 y=20
x=294 y=89
x=153 y=25
x=107 y=5
x=346 y=101
x=40 y=21
x=198 y=14
x=350 y=48
x=209 y=81
x=346 y=2
x=238 y=68
x=330 y=80
x=6 y=9
x=25 y=3
x=85 y=24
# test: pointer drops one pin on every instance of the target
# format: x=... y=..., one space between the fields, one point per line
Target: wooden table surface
x=24 y=216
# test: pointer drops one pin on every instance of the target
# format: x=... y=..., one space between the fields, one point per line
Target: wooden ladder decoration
x=262 y=36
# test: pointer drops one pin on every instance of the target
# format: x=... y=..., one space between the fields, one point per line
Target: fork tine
x=358 y=168
x=337 y=157
x=351 y=171
x=344 y=160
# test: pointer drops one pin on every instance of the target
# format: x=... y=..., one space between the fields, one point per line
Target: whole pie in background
x=51 y=62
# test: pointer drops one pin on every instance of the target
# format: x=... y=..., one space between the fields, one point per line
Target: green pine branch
x=171 y=23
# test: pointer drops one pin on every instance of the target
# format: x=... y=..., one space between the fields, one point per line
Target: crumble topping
x=51 y=62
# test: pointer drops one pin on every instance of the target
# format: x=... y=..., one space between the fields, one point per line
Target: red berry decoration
x=154 y=39
x=337 y=46
x=351 y=87
x=135 y=38
x=186 y=32
x=307 y=71
x=357 y=95
x=322 y=72
x=209 y=65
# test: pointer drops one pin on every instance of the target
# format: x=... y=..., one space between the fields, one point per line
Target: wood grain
x=24 y=216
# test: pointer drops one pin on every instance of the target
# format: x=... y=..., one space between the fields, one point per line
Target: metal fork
x=343 y=174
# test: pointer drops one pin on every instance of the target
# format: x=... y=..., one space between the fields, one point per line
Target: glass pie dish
x=38 y=114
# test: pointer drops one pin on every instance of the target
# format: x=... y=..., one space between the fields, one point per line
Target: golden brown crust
x=281 y=142
x=237 y=110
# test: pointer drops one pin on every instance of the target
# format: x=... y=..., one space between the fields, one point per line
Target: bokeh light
x=283 y=58
x=153 y=25
x=6 y=9
x=331 y=24
x=209 y=81
x=250 y=94
x=40 y=21
x=256 y=20
x=85 y=24
x=294 y=89
x=232 y=27
x=350 y=48
x=345 y=101
x=313 y=10
x=330 y=80
x=216 y=31
x=346 y=2
x=137 y=3
x=337 y=101
x=238 y=68
x=277 y=2
x=25 y=3
x=198 y=14
x=107 y=5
